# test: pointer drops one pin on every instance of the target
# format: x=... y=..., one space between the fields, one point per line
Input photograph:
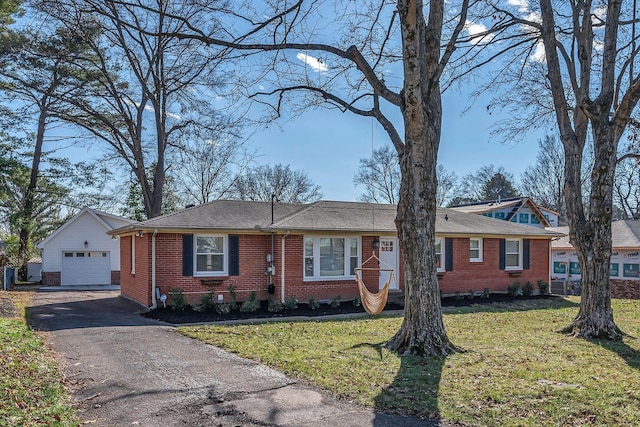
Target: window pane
x=438 y=246
x=80 y=254
x=308 y=267
x=354 y=247
x=512 y=246
x=474 y=254
x=68 y=254
x=331 y=256
x=210 y=262
x=210 y=245
x=308 y=246
x=474 y=244
x=512 y=260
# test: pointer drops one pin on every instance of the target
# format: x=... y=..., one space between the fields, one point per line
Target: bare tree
x=626 y=190
x=576 y=63
x=146 y=90
x=279 y=181
x=487 y=183
x=367 y=38
x=380 y=175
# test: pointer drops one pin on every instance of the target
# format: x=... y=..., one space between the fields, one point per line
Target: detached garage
x=80 y=253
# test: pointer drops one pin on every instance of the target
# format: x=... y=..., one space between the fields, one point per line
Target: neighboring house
x=34 y=270
x=81 y=253
x=625 y=257
x=311 y=250
x=521 y=210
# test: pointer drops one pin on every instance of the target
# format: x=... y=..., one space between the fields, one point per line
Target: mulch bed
x=188 y=315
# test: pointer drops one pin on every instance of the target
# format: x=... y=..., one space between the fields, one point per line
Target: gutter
x=282 y=267
x=154 y=301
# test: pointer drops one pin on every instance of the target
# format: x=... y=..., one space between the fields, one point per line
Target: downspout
x=282 y=268
x=154 y=302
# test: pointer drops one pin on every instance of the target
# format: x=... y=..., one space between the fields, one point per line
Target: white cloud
x=315 y=63
x=534 y=17
x=538 y=54
x=600 y=12
x=474 y=30
x=522 y=5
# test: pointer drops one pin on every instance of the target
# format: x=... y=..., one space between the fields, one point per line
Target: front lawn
x=516 y=370
x=31 y=385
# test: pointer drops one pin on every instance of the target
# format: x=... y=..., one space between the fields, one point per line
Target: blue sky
x=328 y=144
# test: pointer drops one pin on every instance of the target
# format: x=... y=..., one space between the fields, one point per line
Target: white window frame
x=225 y=256
x=316 y=257
x=519 y=253
x=479 y=249
x=441 y=240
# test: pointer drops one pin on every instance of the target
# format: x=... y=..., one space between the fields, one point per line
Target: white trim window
x=330 y=257
x=439 y=249
x=211 y=252
x=513 y=254
x=475 y=249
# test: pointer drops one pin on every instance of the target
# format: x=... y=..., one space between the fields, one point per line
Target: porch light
x=376 y=243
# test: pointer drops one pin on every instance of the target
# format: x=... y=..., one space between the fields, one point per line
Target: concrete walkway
x=128 y=370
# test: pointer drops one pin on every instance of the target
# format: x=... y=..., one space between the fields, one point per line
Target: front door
x=389 y=259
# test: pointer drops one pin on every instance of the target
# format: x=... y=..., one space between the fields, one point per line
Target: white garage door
x=85 y=268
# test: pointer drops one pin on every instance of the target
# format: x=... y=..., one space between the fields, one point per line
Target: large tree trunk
x=591 y=237
x=422 y=332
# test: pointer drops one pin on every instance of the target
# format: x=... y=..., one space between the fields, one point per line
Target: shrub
x=486 y=293
x=335 y=303
x=223 y=308
x=514 y=289
x=313 y=304
x=527 y=289
x=250 y=305
x=275 y=306
x=207 y=301
x=291 y=303
x=458 y=295
x=178 y=301
x=233 y=296
x=543 y=287
x=357 y=302
x=471 y=294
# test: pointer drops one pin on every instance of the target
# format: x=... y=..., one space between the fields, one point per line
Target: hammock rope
x=374 y=303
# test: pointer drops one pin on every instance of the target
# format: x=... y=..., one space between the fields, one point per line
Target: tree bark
x=422 y=332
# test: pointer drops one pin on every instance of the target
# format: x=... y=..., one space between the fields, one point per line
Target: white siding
x=72 y=238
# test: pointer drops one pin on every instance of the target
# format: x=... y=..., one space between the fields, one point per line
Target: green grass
x=516 y=370
x=30 y=383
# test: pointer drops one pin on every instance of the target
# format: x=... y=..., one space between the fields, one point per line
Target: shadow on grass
x=627 y=353
x=412 y=397
x=550 y=302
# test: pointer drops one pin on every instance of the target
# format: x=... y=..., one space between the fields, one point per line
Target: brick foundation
x=51 y=278
x=625 y=289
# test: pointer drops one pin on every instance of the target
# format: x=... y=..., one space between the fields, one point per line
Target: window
x=331 y=257
x=68 y=254
x=439 y=255
x=499 y=215
x=475 y=249
x=534 y=219
x=489 y=214
x=211 y=255
x=513 y=254
x=524 y=218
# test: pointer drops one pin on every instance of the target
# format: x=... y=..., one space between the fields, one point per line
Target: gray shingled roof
x=323 y=216
x=625 y=234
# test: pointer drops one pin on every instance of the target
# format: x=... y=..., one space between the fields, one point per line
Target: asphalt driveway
x=125 y=369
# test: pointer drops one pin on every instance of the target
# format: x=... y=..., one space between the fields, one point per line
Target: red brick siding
x=467 y=275
x=253 y=267
x=138 y=286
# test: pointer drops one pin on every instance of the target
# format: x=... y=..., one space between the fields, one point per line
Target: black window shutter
x=448 y=257
x=502 y=254
x=187 y=254
x=234 y=255
x=525 y=254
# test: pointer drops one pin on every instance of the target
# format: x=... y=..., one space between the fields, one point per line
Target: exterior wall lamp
x=375 y=244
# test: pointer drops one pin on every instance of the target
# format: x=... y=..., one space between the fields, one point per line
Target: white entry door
x=85 y=268
x=389 y=255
